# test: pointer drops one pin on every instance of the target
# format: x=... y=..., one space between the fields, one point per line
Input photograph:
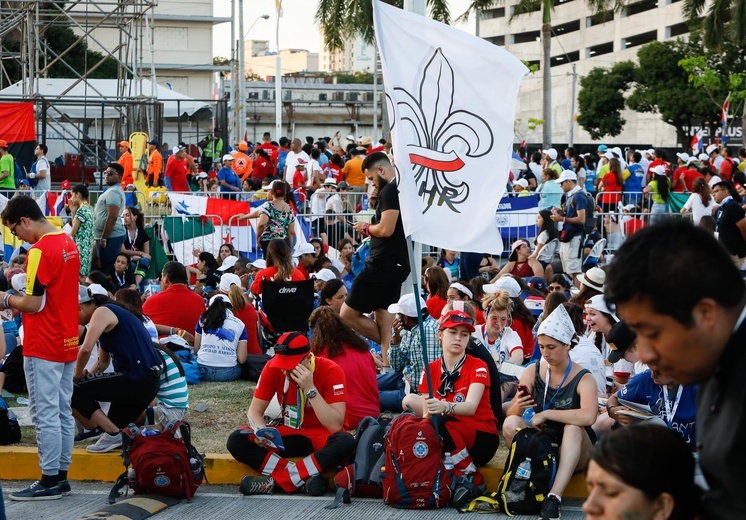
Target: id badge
x=290 y=416
x=528 y=415
x=717 y=235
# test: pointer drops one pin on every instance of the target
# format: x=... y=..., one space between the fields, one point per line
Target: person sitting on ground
x=547 y=233
x=334 y=340
x=560 y=283
x=333 y=294
x=220 y=341
x=600 y=319
x=405 y=354
x=101 y=279
x=122 y=276
x=279 y=266
x=122 y=338
x=502 y=341
x=305 y=253
x=206 y=272
x=312 y=394
x=230 y=285
x=460 y=390
x=642 y=471
x=176 y=306
x=321 y=278
x=520 y=262
x=136 y=242
x=591 y=285
x=585 y=352
x=522 y=319
x=562 y=404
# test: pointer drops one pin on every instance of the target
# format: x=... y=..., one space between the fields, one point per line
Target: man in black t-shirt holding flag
x=379 y=283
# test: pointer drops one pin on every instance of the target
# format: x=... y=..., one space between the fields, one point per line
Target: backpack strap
x=117 y=487
x=485 y=504
x=342 y=495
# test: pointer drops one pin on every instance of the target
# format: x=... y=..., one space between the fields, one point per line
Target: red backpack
x=414 y=476
x=162 y=464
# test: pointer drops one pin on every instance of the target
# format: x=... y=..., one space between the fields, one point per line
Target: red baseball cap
x=3 y=143
x=453 y=319
x=291 y=348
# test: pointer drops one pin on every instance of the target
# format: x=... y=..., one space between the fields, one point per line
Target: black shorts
x=376 y=287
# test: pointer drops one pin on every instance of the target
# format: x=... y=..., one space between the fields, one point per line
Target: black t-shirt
x=212 y=278
x=528 y=175
x=727 y=218
x=123 y=281
x=389 y=251
x=140 y=239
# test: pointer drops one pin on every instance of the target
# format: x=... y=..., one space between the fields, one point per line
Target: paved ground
x=223 y=502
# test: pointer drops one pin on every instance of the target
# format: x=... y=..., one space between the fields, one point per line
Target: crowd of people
x=540 y=339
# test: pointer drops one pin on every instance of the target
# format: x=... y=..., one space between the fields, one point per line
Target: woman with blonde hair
x=503 y=343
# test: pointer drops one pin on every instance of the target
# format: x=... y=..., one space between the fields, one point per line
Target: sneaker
x=64 y=486
x=37 y=491
x=260 y=485
x=89 y=435
x=106 y=444
x=316 y=486
x=551 y=509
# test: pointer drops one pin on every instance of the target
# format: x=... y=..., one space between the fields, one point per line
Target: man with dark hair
x=176 y=305
x=677 y=288
x=50 y=344
x=40 y=170
x=295 y=156
x=379 y=283
x=728 y=166
x=730 y=221
x=108 y=227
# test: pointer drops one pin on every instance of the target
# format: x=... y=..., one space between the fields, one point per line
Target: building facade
x=357 y=56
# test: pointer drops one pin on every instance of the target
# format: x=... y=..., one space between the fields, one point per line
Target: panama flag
x=52 y=203
x=451 y=101
x=696 y=143
x=726 y=105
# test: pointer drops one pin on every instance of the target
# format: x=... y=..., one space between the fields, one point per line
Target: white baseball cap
x=523 y=183
x=406 y=306
x=703 y=156
x=227 y=280
x=683 y=156
x=228 y=262
x=567 y=175
x=324 y=275
x=227 y=157
x=659 y=170
x=551 y=152
x=505 y=283
x=260 y=263
x=304 y=249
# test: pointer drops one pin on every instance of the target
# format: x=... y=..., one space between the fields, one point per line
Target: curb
x=22 y=463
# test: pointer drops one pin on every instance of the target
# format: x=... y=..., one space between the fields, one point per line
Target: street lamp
x=241 y=97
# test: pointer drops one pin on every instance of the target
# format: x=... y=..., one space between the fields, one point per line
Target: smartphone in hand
x=522 y=390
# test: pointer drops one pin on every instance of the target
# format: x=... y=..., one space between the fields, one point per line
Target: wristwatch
x=310 y=394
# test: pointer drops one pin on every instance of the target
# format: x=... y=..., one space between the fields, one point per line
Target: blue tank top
x=129 y=345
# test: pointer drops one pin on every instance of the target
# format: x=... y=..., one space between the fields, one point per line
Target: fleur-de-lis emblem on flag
x=445 y=137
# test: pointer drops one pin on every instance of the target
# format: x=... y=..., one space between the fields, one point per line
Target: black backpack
x=362 y=478
x=15 y=376
x=518 y=496
x=10 y=431
x=590 y=210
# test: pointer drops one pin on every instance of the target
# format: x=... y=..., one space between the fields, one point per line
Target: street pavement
x=224 y=502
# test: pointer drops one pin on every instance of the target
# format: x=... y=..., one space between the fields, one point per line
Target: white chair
x=592 y=259
x=547 y=252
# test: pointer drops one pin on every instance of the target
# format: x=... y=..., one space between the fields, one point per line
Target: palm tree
x=342 y=20
x=546 y=7
x=725 y=20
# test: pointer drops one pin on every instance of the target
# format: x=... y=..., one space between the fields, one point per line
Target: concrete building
x=357 y=56
x=293 y=60
x=182 y=42
x=587 y=41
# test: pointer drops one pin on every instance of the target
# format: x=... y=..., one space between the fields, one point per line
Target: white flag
x=451 y=98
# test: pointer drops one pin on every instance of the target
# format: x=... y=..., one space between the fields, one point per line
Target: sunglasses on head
x=455 y=318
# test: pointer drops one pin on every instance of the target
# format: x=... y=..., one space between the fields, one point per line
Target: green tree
x=221 y=61
x=355 y=77
x=601 y=99
x=661 y=85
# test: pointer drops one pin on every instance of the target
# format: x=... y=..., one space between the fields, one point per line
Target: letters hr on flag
x=451 y=101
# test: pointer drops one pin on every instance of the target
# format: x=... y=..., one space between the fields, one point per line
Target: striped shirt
x=173 y=392
x=409 y=351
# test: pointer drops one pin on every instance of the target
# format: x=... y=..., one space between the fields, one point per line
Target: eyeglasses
x=556 y=288
x=13 y=229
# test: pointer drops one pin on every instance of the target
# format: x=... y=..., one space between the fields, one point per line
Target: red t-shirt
x=299 y=179
x=262 y=169
x=612 y=193
x=304 y=271
x=53 y=267
x=479 y=316
x=249 y=318
x=178 y=306
x=336 y=172
x=677 y=176
x=726 y=169
x=269 y=274
x=527 y=337
x=473 y=371
x=177 y=171
x=363 y=398
x=633 y=225
x=688 y=177
x=435 y=306
x=328 y=379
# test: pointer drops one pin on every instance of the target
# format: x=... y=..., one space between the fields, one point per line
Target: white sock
x=555 y=495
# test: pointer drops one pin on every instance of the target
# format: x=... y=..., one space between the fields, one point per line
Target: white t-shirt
x=218 y=347
x=587 y=356
x=290 y=161
x=311 y=167
x=318 y=202
x=699 y=210
x=503 y=347
x=44 y=184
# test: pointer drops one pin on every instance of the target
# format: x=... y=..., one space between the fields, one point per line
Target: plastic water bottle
x=195 y=466
x=448 y=462
x=523 y=471
x=131 y=476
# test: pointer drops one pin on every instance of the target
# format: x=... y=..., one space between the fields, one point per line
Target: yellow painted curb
x=22 y=463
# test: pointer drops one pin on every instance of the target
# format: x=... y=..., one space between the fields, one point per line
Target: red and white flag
x=451 y=101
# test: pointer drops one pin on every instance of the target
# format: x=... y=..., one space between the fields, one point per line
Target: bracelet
x=366 y=225
x=171 y=331
x=6 y=301
x=181 y=332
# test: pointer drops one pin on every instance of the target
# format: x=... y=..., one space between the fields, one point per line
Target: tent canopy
x=175 y=105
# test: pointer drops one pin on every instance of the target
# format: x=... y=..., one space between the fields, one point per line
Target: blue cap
x=24 y=182
x=602 y=148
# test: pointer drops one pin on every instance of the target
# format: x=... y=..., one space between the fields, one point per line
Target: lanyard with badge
x=529 y=413
x=293 y=415
x=671 y=407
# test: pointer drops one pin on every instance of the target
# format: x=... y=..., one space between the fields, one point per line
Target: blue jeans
x=2 y=504
x=11 y=342
x=391 y=391
x=220 y=373
x=50 y=388
x=108 y=254
x=658 y=213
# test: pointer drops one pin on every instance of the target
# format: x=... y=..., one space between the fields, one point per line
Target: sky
x=297 y=29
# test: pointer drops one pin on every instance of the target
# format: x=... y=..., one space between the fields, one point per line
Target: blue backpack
x=359 y=256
